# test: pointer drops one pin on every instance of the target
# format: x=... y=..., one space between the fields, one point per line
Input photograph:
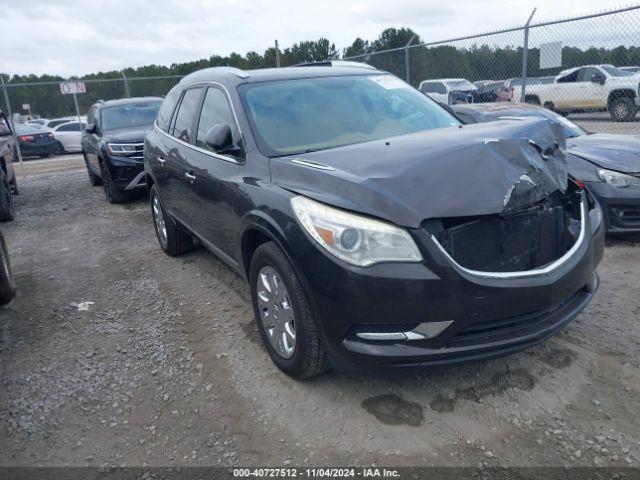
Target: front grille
x=480 y=333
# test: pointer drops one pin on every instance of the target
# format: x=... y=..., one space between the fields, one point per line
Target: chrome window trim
x=526 y=273
x=200 y=149
x=308 y=163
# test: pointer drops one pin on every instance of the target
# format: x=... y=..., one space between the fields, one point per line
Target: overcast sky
x=72 y=37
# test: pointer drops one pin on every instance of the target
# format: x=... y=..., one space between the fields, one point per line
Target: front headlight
x=618 y=179
x=357 y=240
x=121 y=148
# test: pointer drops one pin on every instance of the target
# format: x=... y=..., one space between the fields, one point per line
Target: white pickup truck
x=590 y=88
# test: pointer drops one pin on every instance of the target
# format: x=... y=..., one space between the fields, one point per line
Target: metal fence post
x=126 y=85
x=277 y=55
x=12 y=124
x=525 y=54
x=407 y=66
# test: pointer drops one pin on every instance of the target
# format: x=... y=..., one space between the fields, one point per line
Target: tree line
x=476 y=62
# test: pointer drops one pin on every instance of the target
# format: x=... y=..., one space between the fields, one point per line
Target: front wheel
x=623 y=109
x=111 y=191
x=284 y=316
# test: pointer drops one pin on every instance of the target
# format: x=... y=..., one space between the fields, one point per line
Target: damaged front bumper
x=620 y=206
x=437 y=312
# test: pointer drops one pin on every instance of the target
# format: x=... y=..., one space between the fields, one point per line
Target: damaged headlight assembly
x=618 y=179
x=357 y=240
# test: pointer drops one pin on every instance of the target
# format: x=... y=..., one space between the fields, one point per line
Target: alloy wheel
x=276 y=312
x=158 y=217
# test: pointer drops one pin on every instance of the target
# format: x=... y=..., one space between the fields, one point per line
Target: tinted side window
x=183 y=124
x=70 y=127
x=587 y=72
x=436 y=87
x=215 y=110
x=572 y=77
x=166 y=109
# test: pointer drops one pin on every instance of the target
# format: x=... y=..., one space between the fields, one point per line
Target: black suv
x=373 y=228
x=8 y=181
x=112 y=144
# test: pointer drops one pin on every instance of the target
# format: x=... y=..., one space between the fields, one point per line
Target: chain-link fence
x=598 y=55
x=490 y=68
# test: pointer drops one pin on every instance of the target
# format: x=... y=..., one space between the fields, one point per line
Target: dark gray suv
x=373 y=228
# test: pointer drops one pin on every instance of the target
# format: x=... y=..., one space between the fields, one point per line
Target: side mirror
x=91 y=128
x=596 y=78
x=219 y=138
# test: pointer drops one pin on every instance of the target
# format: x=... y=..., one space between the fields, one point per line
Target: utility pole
x=277 y=55
x=525 y=54
x=12 y=124
x=407 y=67
x=126 y=85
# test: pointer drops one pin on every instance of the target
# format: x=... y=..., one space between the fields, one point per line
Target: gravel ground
x=113 y=353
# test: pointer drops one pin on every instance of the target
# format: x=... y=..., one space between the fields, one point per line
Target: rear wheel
x=111 y=191
x=532 y=99
x=622 y=109
x=549 y=106
x=7 y=283
x=284 y=316
x=7 y=209
x=173 y=240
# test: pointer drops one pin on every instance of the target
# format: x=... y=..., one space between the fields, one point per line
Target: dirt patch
x=390 y=409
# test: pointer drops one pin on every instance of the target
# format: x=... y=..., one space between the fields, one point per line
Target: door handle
x=190 y=177
x=161 y=160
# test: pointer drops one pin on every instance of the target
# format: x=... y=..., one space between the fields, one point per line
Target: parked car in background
x=608 y=164
x=54 y=122
x=37 y=122
x=8 y=180
x=7 y=282
x=491 y=91
x=448 y=90
x=35 y=142
x=373 y=228
x=514 y=86
x=112 y=144
x=69 y=134
x=590 y=88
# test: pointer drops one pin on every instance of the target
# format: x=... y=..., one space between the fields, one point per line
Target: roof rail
x=238 y=72
x=336 y=63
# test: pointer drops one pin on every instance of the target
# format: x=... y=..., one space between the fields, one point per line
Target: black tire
x=7 y=282
x=7 y=208
x=112 y=193
x=532 y=99
x=309 y=357
x=549 y=106
x=622 y=109
x=95 y=180
x=177 y=240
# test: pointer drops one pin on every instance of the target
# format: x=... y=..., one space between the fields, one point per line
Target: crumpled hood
x=477 y=169
x=127 y=135
x=616 y=152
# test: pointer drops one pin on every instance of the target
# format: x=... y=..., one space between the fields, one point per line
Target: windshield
x=570 y=129
x=461 y=85
x=296 y=116
x=137 y=114
x=616 y=72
